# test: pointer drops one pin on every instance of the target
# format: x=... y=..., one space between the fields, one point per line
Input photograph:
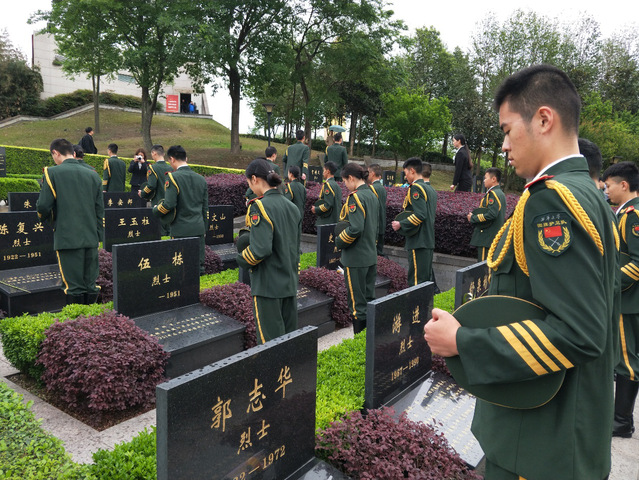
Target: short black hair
x=300 y=134
x=338 y=136
x=159 y=149
x=177 y=152
x=331 y=167
x=592 y=153
x=114 y=148
x=627 y=171
x=88 y=130
x=376 y=169
x=494 y=172
x=62 y=146
x=270 y=151
x=427 y=170
x=415 y=163
x=78 y=151
x=538 y=85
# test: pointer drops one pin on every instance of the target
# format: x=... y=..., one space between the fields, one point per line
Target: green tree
x=620 y=72
x=410 y=123
x=20 y=86
x=84 y=41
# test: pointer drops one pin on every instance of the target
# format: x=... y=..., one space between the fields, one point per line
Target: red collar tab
x=543 y=177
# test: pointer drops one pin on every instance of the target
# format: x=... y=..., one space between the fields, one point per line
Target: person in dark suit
x=463 y=178
x=138 y=168
x=86 y=142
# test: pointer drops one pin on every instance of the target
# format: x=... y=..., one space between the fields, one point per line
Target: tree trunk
x=235 y=90
x=359 y=134
x=352 y=132
x=396 y=164
x=147 y=118
x=96 y=102
x=374 y=136
x=445 y=145
x=495 y=156
x=307 y=102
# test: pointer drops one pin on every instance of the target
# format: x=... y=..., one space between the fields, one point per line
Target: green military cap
x=495 y=311
x=341 y=226
x=243 y=239
x=411 y=229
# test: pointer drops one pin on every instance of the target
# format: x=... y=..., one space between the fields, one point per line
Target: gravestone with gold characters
x=248 y=417
x=315 y=174
x=30 y=280
x=23 y=201
x=123 y=200
x=220 y=229
x=128 y=225
x=471 y=282
x=157 y=285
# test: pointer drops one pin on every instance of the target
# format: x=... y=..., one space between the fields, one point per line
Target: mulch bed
x=97 y=420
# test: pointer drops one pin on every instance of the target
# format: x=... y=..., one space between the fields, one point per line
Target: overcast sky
x=456 y=22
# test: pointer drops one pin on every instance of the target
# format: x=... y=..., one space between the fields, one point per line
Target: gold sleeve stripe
x=414 y=220
x=548 y=344
x=624 y=347
x=249 y=257
x=535 y=346
x=359 y=203
x=481 y=217
x=147 y=190
x=264 y=214
x=163 y=210
x=345 y=238
x=105 y=182
x=616 y=235
x=323 y=208
x=46 y=175
x=174 y=182
x=632 y=267
x=632 y=274
x=521 y=350
x=578 y=212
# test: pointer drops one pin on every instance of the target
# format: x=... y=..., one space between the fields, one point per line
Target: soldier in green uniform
x=272 y=256
x=298 y=154
x=622 y=180
x=114 y=173
x=153 y=188
x=71 y=199
x=490 y=216
x=185 y=206
x=295 y=191
x=559 y=252
x=270 y=155
x=357 y=241
x=375 y=177
x=336 y=153
x=421 y=200
x=329 y=204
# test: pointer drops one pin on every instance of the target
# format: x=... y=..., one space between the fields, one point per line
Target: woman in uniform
x=360 y=214
x=272 y=254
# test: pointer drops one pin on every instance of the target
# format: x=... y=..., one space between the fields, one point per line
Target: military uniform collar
x=271 y=191
x=418 y=180
x=69 y=160
x=565 y=164
x=633 y=202
x=183 y=166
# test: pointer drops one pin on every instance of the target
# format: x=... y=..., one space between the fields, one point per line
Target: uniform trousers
x=380 y=245
x=420 y=263
x=482 y=252
x=360 y=289
x=494 y=472
x=274 y=317
x=79 y=269
x=629 y=333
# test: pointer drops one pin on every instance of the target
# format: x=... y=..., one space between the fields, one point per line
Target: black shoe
x=91 y=298
x=625 y=395
x=79 y=299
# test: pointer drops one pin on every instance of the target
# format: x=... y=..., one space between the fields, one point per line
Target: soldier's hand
x=395 y=225
x=441 y=333
x=468 y=216
x=313 y=209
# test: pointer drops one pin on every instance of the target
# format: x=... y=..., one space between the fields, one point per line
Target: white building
x=180 y=93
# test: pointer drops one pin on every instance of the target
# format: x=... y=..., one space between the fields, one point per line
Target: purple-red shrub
x=228 y=189
x=439 y=365
x=330 y=283
x=212 y=261
x=378 y=446
x=100 y=363
x=105 y=277
x=395 y=272
x=235 y=301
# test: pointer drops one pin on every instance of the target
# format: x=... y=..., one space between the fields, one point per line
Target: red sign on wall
x=173 y=103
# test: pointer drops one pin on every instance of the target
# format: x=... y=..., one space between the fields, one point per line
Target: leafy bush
x=377 y=446
x=102 y=362
x=134 y=460
x=105 y=276
x=228 y=189
x=235 y=301
x=26 y=450
x=436 y=157
x=340 y=380
x=330 y=283
x=9 y=184
x=308 y=260
x=395 y=272
x=212 y=261
x=22 y=336
x=224 y=277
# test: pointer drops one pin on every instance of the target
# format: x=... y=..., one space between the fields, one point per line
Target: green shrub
x=12 y=184
x=436 y=157
x=223 y=278
x=27 y=451
x=445 y=300
x=22 y=336
x=134 y=460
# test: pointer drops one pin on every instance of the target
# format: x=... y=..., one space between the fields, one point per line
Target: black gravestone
x=227 y=253
x=244 y=275
x=250 y=416
x=382 y=285
x=443 y=404
x=31 y=290
x=397 y=356
x=328 y=255
x=129 y=225
x=155 y=276
x=220 y=229
x=25 y=241
x=3 y=162
x=23 y=201
x=315 y=174
x=123 y=200
x=314 y=309
x=388 y=178
x=471 y=282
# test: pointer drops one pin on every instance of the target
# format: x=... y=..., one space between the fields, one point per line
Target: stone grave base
x=227 y=253
x=31 y=290
x=382 y=284
x=314 y=308
x=195 y=336
x=441 y=403
x=318 y=470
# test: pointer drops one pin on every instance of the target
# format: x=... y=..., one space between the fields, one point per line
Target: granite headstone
x=388 y=178
x=471 y=282
x=220 y=229
x=227 y=253
x=315 y=174
x=397 y=356
x=123 y=200
x=129 y=225
x=31 y=290
x=250 y=416
x=25 y=241
x=23 y=201
x=328 y=255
